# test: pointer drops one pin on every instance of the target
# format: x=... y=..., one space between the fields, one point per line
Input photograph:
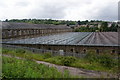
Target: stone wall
x=25 y=33
x=74 y=48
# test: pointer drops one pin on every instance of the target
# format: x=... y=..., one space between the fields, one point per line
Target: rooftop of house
x=15 y=25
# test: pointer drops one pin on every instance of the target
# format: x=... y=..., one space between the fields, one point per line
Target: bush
x=91 y=57
x=20 y=51
x=38 y=57
x=15 y=68
x=67 y=61
x=5 y=50
x=106 y=60
x=47 y=55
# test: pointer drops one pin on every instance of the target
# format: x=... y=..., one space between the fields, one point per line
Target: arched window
x=77 y=52
x=113 y=51
x=97 y=51
x=84 y=50
x=71 y=50
x=49 y=48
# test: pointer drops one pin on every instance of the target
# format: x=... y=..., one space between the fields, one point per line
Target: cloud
x=22 y=4
x=59 y=9
x=96 y=9
x=108 y=11
x=119 y=10
x=53 y=11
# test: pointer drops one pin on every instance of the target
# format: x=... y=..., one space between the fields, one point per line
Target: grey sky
x=59 y=9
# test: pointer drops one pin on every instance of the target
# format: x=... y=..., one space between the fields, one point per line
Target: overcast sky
x=59 y=9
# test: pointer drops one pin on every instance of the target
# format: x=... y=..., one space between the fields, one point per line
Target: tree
x=79 y=23
x=86 y=21
x=113 y=27
x=104 y=26
x=6 y=20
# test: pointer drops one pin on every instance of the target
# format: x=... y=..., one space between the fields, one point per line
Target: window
x=97 y=51
x=49 y=48
x=71 y=50
x=77 y=52
x=113 y=51
x=84 y=50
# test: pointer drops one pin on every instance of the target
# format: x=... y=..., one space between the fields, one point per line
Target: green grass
x=18 y=68
x=91 y=61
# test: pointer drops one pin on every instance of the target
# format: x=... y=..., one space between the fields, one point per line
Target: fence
x=43 y=51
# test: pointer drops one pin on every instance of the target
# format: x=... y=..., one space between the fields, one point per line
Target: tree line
x=104 y=25
x=103 y=28
x=50 y=21
x=44 y=21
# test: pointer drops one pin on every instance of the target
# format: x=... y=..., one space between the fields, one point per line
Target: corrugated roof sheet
x=74 y=38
